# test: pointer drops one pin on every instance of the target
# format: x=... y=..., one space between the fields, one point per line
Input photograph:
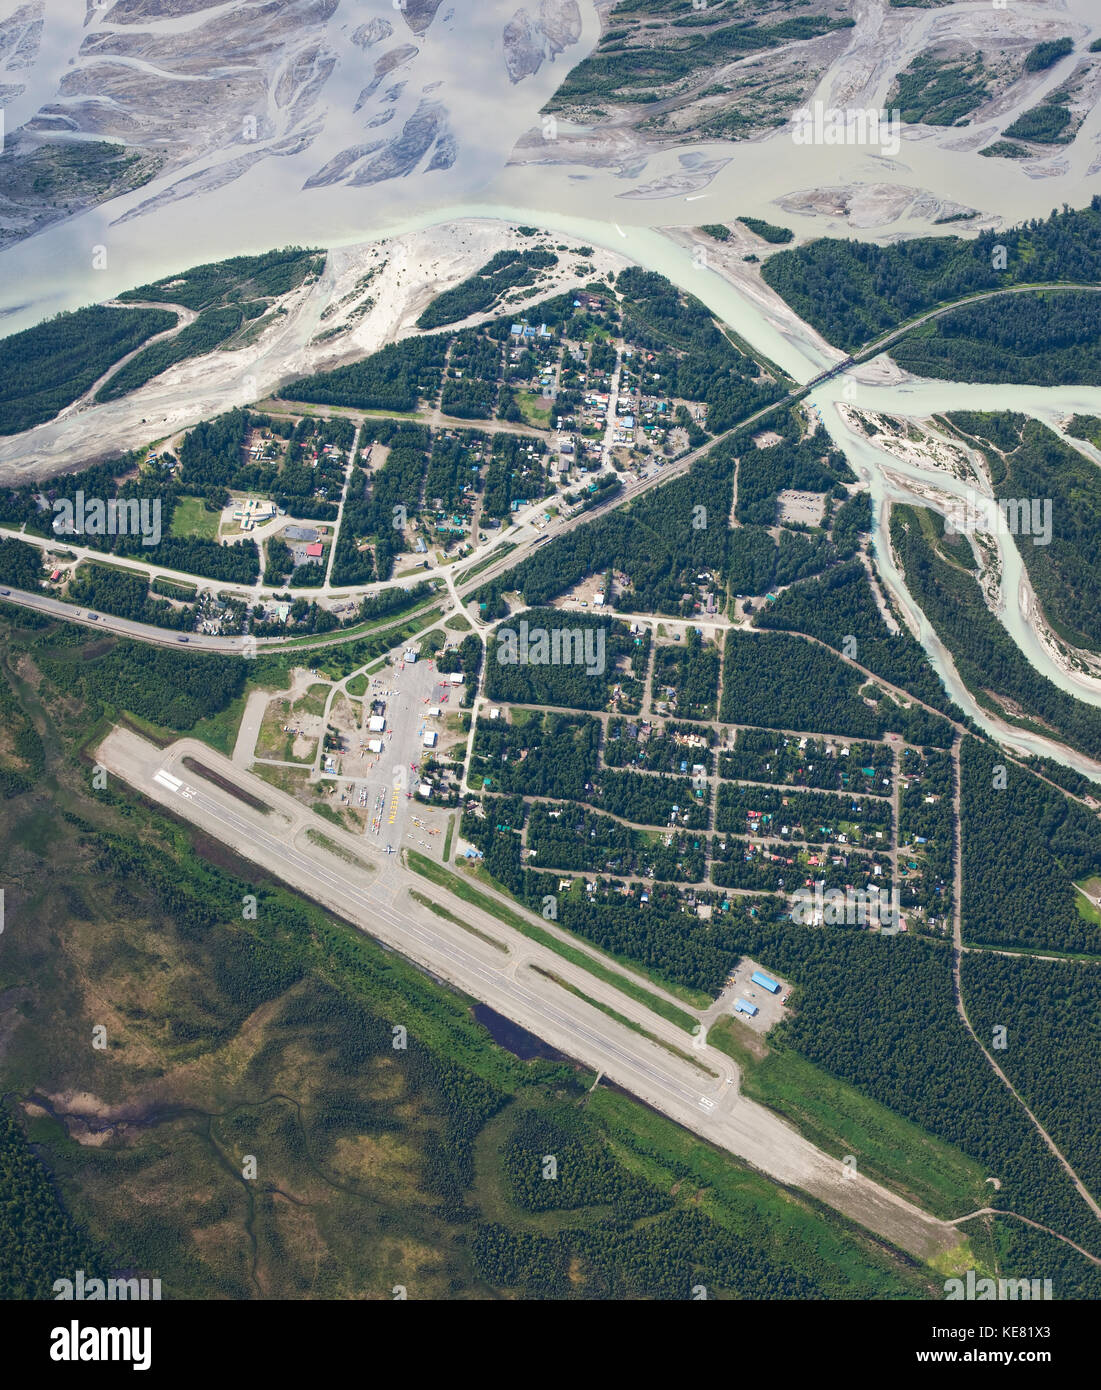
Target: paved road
x=378 y=901
x=42 y=603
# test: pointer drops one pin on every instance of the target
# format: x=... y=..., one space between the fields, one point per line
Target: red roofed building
x=315 y=551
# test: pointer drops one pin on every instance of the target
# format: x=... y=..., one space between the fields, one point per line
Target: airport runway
x=376 y=897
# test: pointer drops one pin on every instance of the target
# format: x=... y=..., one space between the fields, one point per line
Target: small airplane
x=389 y=849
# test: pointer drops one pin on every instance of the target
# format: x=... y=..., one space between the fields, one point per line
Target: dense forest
x=45 y=368
x=768 y=231
x=934 y=91
x=397 y=377
x=39 y=1239
x=862 y=998
x=1050 y=1011
x=470 y=383
x=550 y=754
x=1041 y=339
x=169 y=688
x=238 y=279
x=373 y=507
x=841 y=605
x=1024 y=847
x=759 y=564
x=20 y=564
x=567 y=837
x=1087 y=427
x=480 y=291
x=108 y=589
x=854 y=291
x=653 y=799
x=209 y=331
x=620 y=70
x=528 y=676
x=779 y=681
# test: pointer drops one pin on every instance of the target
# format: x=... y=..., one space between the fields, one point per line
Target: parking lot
x=770 y=1006
x=382 y=785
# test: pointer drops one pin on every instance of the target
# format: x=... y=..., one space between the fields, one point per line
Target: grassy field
x=324 y=842
x=499 y=553
x=625 y=1022
x=534 y=414
x=191 y=518
x=273 y=742
x=449 y=916
x=313 y=702
x=1086 y=907
x=838 y=1119
x=288 y=779
x=413 y=621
